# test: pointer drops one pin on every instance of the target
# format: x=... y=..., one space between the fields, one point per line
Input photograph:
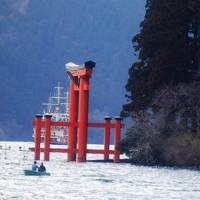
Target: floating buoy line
x=5 y=149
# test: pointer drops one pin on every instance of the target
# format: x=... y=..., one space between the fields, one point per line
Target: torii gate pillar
x=83 y=117
x=73 y=117
x=79 y=101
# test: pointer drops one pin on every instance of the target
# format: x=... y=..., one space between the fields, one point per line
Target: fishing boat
x=58 y=107
x=34 y=173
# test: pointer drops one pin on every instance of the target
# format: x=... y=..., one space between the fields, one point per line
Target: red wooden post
x=117 y=139
x=37 y=137
x=73 y=116
x=47 y=137
x=107 y=137
x=81 y=77
x=83 y=117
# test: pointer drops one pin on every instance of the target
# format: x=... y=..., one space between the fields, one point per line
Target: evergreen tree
x=168 y=50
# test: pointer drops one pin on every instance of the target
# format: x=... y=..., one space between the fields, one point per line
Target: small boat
x=33 y=173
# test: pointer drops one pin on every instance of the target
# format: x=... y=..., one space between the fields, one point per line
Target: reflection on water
x=91 y=180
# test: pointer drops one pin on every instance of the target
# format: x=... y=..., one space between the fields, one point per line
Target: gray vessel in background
x=58 y=107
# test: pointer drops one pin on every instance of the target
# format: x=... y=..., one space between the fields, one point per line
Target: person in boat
x=42 y=168
x=34 y=166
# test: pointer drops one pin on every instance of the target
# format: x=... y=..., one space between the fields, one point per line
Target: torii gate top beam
x=80 y=70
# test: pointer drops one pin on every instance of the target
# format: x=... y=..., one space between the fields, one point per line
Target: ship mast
x=56 y=102
x=58 y=91
x=49 y=105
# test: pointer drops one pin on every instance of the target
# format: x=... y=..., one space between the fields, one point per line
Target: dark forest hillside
x=163 y=86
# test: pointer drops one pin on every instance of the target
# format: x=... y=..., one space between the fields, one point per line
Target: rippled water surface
x=91 y=180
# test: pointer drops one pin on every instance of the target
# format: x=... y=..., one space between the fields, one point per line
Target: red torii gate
x=78 y=122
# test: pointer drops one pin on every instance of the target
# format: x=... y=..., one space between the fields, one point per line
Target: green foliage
x=163 y=86
x=168 y=50
x=168 y=133
x=181 y=150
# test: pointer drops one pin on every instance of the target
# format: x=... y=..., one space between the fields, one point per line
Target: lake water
x=90 y=180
